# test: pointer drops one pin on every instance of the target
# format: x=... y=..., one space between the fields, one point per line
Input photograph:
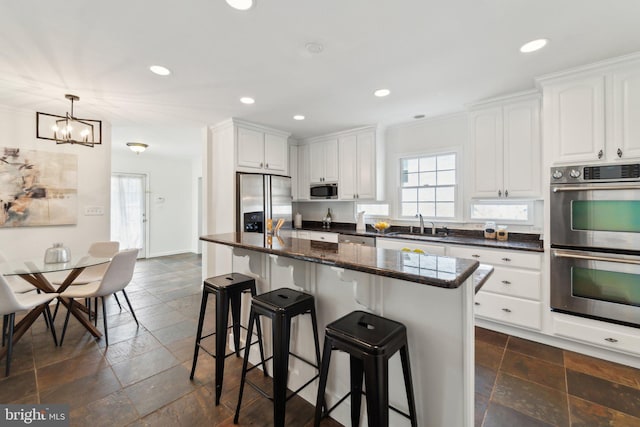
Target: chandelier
x=69 y=129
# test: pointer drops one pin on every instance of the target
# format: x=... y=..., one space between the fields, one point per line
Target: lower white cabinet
x=512 y=293
x=319 y=236
x=410 y=246
x=606 y=335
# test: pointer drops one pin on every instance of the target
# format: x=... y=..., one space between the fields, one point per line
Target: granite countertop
x=517 y=241
x=444 y=272
x=481 y=275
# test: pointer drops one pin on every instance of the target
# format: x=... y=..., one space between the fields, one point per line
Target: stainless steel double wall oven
x=595 y=241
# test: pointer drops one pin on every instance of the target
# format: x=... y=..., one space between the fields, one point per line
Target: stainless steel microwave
x=323 y=191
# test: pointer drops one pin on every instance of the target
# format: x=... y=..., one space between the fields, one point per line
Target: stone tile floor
x=142 y=378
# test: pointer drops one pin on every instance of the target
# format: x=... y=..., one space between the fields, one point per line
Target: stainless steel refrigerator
x=261 y=197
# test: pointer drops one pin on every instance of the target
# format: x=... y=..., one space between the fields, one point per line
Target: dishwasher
x=357 y=240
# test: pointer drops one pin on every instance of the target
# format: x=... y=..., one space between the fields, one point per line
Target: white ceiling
x=435 y=56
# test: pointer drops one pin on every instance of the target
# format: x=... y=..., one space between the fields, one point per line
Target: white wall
x=94 y=166
x=171 y=199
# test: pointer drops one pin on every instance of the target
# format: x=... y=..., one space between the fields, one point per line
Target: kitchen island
x=431 y=295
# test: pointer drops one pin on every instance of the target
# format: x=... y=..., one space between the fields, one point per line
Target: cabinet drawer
x=591 y=331
x=410 y=245
x=507 y=309
x=514 y=282
x=323 y=237
x=497 y=257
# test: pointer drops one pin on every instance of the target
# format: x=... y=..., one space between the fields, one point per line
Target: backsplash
x=316 y=211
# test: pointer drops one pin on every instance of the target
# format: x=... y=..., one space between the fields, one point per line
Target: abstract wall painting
x=37 y=188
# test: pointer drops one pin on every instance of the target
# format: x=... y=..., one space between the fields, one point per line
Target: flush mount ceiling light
x=247 y=100
x=418 y=116
x=241 y=4
x=160 y=70
x=533 y=45
x=380 y=93
x=298 y=117
x=314 y=48
x=69 y=129
x=137 y=147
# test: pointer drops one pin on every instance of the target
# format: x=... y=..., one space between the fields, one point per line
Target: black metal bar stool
x=228 y=289
x=281 y=306
x=370 y=341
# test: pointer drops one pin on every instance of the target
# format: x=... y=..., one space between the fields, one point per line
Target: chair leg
x=222 y=321
x=47 y=311
x=235 y=298
x=87 y=302
x=95 y=318
x=5 y=319
x=12 y=319
x=196 y=351
x=259 y=333
x=408 y=384
x=281 y=340
x=117 y=301
x=324 y=373
x=357 y=371
x=133 y=313
x=66 y=321
x=55 y=312
x=243 y=376
x=376 y=378
x=104 y=321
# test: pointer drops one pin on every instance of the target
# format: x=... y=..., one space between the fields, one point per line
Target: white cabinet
x=512 y=293
x=357 y=175
x=605 y=335
x=593 y=115
x=503 y=133
x=294 y=172
x=299 y=171
x=323 y=164
x=261 y=149
x=410 y=246
x=319 y=236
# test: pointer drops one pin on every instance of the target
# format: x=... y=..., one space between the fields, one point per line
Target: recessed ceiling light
x=418 y=116
x=533 y=45
x=247 y=100
x=298 y=117
x=241 y=4
x=381 y=92
x=314 y=47
x=160 y=70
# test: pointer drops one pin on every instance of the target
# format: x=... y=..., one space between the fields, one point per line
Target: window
x=373 y=209
x=428 y=186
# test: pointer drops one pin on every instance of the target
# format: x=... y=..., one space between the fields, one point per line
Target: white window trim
x=441 y=151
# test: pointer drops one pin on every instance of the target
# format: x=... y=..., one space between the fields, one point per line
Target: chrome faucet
x=421 y=223
x=433 y=227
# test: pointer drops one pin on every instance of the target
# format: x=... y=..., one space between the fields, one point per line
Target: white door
x=486 y=136
x=250 y=148
x=348 y=155
x=128 y=211
x=366 y=166
x=275 y=153
x=625 y=142
x=521 y=149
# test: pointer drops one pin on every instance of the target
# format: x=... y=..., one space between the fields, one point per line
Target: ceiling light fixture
x=69 y=129
x=533 y=45
x=241 y=4
x=160 y=70
x=247 y=100
x=137 y=147
x=382 y=93
x=314 y=48
x=418 y=116
x=298 y=117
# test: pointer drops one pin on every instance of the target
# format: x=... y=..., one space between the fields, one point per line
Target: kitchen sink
x=418 y=236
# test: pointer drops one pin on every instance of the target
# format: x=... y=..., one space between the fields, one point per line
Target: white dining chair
x=16 y=284
x=117 y=276
x=11 y=303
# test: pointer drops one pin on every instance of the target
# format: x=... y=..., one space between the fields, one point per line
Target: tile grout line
x=495 y=381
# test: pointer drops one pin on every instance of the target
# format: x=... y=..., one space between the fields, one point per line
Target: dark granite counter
x=444 y=272
x=517 y=241
x=481 y=275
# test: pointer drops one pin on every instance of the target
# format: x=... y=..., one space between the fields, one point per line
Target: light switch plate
x=93 y=210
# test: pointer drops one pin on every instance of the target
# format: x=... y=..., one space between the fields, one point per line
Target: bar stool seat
x=228 y=290
x=370 y=340
x=281 y=306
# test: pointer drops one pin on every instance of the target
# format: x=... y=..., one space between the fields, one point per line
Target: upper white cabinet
x=323 y=165
x=299 y=169
x=357 y=176
x=593 y=114
x=261 y=149
x=504 y=137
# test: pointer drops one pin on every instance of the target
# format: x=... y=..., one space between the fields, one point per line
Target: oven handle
x=562 y=254
x=604 y=187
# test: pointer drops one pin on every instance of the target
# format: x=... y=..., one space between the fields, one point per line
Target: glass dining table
x=34 y=270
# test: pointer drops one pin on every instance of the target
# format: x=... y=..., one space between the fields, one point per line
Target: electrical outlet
x=93 y=210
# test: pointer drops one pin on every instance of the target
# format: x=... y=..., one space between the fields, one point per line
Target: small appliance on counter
x=297 y=220
x=360 y=226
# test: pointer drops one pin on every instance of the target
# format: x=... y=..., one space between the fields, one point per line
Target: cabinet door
x=365 y=166
x=331 y=167
x=316 y=167
x=348 y=147
x=574 y=119
x=521 y=149
x=410 y=246
x=275 y=153
x=250 y=148
x=625 y=142
x=303 y=172
x=486 y=137
x=293 y=171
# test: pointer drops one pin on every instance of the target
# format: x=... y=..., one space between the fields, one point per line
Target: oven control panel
x=595 y=173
